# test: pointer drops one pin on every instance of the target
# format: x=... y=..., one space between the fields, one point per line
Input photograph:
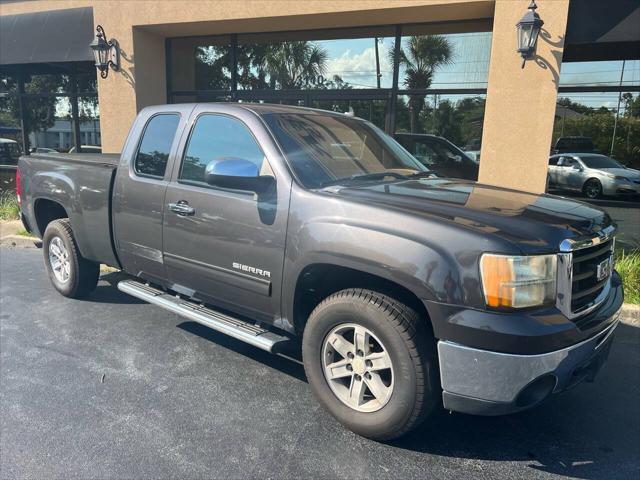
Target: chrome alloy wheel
x=357 y=367
x=59 y=260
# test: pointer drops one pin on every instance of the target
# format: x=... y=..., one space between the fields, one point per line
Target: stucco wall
x=521 y=103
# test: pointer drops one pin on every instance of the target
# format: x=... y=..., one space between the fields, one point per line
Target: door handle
x=182 y=208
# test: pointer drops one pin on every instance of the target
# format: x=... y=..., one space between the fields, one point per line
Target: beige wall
x=521 y=103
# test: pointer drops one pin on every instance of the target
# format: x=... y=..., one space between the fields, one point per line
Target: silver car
x=592 y=174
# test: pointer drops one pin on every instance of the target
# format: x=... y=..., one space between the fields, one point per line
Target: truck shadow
x=107 y=290
x=590 y=432
x=288 y=361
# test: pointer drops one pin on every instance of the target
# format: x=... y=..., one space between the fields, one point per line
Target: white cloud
x=359 y=69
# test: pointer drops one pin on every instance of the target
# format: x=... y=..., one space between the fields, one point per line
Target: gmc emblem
x=604 y=269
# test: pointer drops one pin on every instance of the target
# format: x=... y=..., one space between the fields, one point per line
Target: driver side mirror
x=578 y=167
x=237 y=174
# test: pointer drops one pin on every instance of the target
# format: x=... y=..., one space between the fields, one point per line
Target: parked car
x=42 y=150
x=277 y=225
x=87 y=149
x=574 y=144
x=439 y=155
x=592 y=174
x=9 y=154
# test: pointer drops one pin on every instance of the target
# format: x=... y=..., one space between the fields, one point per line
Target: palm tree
x=423 y=55
x=292 y=65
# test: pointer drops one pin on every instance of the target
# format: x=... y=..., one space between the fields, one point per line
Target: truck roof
x=257 y=108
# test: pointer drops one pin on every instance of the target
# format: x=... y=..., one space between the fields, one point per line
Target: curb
x=630 y=314
x=20 y=241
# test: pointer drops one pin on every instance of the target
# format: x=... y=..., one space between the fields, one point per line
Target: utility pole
x=615 y=123
x=375 y=41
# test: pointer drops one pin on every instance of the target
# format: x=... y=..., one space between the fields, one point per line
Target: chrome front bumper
x=483 y=382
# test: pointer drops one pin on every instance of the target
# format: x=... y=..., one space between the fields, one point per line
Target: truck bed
x=82 y=184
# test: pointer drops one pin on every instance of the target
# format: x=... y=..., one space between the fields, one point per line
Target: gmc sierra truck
x=404 y=290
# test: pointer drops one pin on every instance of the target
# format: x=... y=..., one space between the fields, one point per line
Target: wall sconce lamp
x=106 y=53
x=528 y=29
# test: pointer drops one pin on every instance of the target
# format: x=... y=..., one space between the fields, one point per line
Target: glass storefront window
x=591 y=117
x=580 y=74
x=458 y=118
x=201 y=63
x=328 y=60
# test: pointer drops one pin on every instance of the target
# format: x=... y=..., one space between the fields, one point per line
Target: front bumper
x=616 y=187
x=483 y=382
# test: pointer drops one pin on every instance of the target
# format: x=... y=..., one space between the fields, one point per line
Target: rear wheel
x=71 y=274
x=371 y=363
x=592 y=188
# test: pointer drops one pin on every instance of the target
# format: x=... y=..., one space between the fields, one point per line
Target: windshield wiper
x=364 y=177
x=423 y=174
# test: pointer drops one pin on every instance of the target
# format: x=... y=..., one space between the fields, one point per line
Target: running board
x=238 y=329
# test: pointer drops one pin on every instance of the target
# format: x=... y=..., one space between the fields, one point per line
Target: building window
x=58 y=109
x=440 y=74
x=599 y=105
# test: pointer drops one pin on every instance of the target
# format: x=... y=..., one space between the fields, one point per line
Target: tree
x=423 y=55
x=294 y=65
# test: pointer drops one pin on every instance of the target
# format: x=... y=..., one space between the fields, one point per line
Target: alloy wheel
x=59 y=260
x=357 y=367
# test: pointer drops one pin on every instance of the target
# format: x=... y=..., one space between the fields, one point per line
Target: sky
x=354 y=61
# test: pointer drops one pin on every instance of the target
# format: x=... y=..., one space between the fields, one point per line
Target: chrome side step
x=238 y=329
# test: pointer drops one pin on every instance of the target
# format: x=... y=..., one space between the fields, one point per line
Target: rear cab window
x=155 y=145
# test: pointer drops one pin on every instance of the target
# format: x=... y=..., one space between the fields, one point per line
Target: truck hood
x=535 y=223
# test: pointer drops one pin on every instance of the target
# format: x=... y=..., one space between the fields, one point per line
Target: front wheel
x=592 y=188
x=70 y=273
x=371 y=363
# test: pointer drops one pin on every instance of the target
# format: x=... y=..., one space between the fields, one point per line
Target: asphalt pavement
x=110 y=387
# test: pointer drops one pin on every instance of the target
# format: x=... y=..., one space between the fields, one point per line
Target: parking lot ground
x=111 y=387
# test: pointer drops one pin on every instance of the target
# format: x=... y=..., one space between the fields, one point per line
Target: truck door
x=225 y=246
x=141 y=181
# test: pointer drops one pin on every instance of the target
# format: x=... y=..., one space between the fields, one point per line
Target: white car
x=593 y=174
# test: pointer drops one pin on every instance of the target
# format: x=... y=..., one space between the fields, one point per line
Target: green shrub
x=9 y=208
x=628 y=266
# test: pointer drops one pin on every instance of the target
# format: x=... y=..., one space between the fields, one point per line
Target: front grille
x=585 y=286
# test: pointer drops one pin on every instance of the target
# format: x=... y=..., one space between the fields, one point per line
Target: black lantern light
x=106 y=53
x=528 y=29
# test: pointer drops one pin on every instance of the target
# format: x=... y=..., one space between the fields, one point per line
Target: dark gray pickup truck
x=273 y=224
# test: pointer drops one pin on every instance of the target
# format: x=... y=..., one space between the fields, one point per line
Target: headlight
x=518 y=281
x=622 y=179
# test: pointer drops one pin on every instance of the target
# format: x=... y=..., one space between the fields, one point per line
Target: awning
x=54 y=36
x=603 y=30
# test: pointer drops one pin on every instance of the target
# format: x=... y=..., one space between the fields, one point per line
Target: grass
x=628 y=266
x=9 y=208
x=23 y=233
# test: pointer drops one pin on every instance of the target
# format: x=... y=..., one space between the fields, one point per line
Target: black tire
x=416 y=390
x=83 y=274
x=592 y=188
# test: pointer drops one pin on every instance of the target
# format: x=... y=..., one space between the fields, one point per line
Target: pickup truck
x=284 y=226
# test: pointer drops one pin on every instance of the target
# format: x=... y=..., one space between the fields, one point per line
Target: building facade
x=445 y=67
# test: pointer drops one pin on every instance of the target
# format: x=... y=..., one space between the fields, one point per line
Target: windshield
x=331 y=149
x=600 y=161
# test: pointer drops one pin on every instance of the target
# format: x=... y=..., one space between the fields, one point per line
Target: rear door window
x=155 y=146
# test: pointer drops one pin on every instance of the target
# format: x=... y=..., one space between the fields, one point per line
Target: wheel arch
x=319 y=280
x=45 y=211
